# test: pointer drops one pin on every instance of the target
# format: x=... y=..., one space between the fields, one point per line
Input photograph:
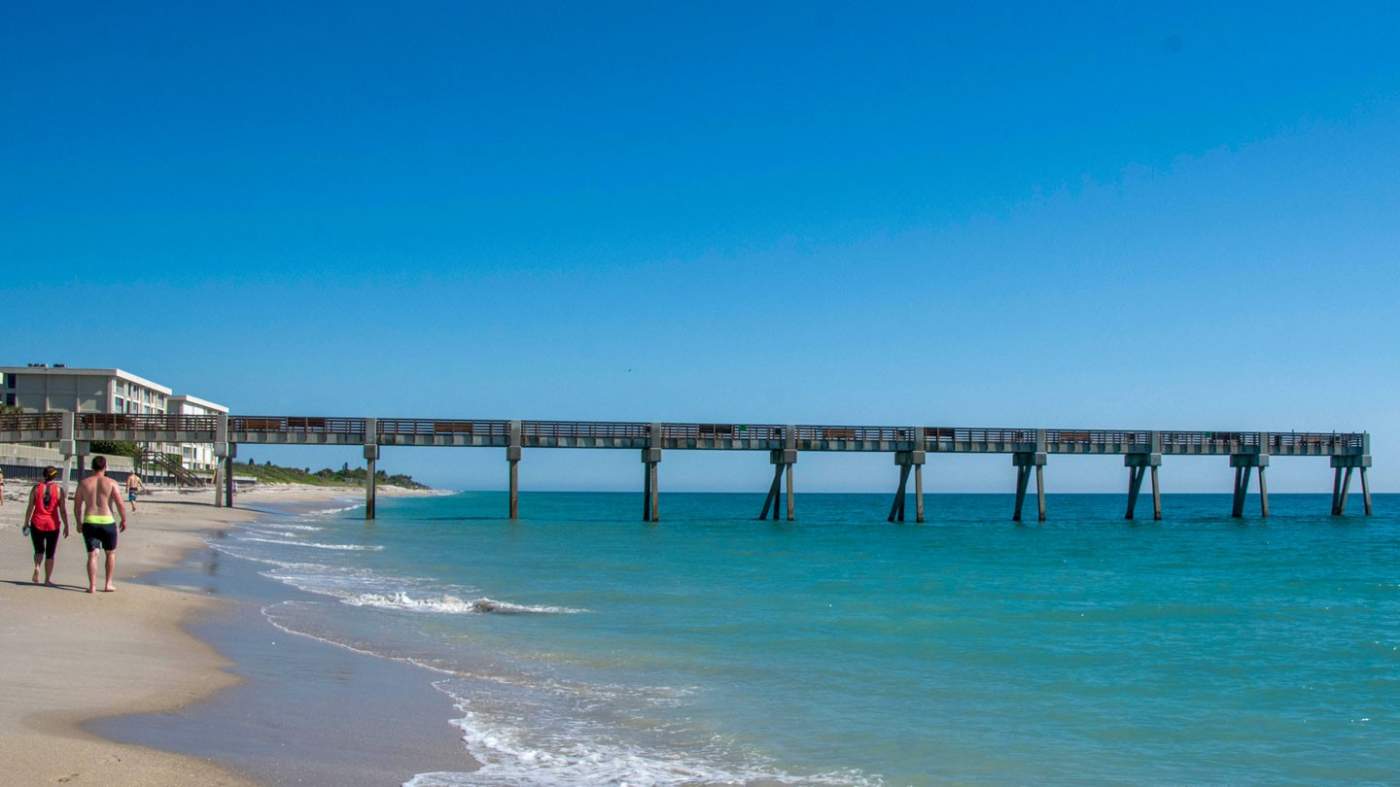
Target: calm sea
x=582 y=646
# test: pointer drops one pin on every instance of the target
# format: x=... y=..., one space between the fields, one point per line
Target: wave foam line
x=508 y=761
x=315 y=545
x=452 y=605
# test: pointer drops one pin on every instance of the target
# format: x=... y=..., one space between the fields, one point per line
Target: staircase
x=167 y=464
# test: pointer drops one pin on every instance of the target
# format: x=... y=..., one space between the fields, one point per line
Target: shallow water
x=581 y=645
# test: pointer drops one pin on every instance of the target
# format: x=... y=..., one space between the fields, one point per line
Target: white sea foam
x=286 y=526
x=452 y=605
x=512 y=756
x=241 y=554
x=329 y=511
x=270 y=532
x=508 y=759
x=315 y=545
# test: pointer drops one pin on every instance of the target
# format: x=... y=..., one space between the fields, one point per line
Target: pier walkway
x=1142 y=450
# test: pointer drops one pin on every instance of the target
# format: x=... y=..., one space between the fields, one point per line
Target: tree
x=116 y=448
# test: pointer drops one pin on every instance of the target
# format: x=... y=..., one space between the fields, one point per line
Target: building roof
x=70 y=371
x=195 y=400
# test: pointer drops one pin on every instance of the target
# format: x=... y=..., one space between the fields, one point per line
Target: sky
x=1024 y=216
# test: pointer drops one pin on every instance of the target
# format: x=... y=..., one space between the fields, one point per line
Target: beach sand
x=69 y=658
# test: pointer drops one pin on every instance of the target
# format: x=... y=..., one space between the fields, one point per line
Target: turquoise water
x=584 y=646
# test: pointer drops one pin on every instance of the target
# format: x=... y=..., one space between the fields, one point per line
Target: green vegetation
x=116 y=448
x=345 y=476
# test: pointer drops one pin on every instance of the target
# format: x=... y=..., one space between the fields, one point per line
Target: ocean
x=580 y=645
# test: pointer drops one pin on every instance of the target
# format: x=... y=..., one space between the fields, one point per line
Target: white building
x=41 y=388
x=195 y=456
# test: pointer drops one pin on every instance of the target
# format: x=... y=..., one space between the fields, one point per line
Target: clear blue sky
x=809 y=213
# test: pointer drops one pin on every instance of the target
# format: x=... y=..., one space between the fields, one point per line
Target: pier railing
x=43 y=427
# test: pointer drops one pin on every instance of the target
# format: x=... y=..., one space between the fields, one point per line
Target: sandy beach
x=70 y=658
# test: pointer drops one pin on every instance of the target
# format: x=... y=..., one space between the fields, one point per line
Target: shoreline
x=76 y=659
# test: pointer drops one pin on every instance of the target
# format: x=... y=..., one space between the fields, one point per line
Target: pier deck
x=1142 y=449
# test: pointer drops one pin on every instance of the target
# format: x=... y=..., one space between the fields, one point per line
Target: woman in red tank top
x=46 y=508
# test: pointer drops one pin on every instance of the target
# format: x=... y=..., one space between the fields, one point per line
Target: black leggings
x=45 y=541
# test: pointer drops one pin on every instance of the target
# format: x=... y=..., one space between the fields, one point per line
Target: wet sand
x=70 y=658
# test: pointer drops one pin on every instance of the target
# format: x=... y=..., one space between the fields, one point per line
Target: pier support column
x=1365 y=493
x=1138 y=465
x=791 y=501
x=1156 y=497
x=783 y=460
x=68 y=447
x=651 y=491
x=1024 y=462
x=908 y=461
x=220 y=451
x=371 y=480
x=513 y=459
x=1342 y=467
x=228 y=474
x=1245 y=465
x=80 y=465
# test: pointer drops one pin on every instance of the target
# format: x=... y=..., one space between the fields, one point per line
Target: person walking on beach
x=92 y=507
x=133 y=485
x=46 y=507
x=2 y=487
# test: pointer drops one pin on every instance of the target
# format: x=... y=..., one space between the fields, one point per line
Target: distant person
x=46 y=507
x=2 y=487
x=133 y=486
x=92 y=507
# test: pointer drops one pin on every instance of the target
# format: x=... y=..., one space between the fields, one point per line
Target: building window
x=10 y=399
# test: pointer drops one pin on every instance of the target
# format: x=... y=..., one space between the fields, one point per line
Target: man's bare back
x=98 y=496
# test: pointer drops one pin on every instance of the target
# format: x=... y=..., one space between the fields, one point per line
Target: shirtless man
x=92 y=506
x=133 y=486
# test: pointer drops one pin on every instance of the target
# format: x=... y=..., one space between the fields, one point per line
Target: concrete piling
x=1365 y=493
x=1245 y=465
x=1024 y=462
x=1156 y=497
x=1138 y=465
x=908 y=462
x=782 y=459
x=513 y=459
x=651 y=492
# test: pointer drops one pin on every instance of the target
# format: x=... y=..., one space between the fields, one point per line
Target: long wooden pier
x=1142 y=450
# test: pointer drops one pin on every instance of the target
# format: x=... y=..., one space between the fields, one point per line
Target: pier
x=1249 y=453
